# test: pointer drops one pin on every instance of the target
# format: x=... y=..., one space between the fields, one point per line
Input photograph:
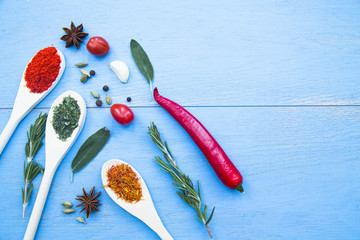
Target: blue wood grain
x=234 y=52
x=300 y=168
x=234 y=64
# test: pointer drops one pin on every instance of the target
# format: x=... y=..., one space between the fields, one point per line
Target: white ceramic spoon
x=55 y=150
x=144 y=209
x=25 y=101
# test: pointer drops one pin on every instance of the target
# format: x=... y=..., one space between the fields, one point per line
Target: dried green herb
x=84 y=72
x=67 y=204
x=108 y=100
x=95 y=94
x=32 y=168
x=68 y=210
x=66 y=118
x=90 y=148
x=182 y=182
x=80 y=219
x=84 y=78
x=81 y=64
x=35 y=135
x=142 y=61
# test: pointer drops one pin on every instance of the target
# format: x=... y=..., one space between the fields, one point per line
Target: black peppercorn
x=105 y=88
x=92 y=72
x=128 y=99
x=98 y=103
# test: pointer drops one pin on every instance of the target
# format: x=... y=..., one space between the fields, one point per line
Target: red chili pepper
x=213 y=152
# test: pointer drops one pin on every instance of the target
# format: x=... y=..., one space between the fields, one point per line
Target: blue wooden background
x=276 y=82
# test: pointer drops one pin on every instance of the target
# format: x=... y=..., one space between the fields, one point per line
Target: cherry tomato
x=98 y=46
x=122 y=114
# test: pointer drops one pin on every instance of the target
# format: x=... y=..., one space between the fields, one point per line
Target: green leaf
x=211 y=215
x=90 y=148
x=142 y=60
x=31 y=187
x=199 y=190
x=32 y=170
x=24 y=172
x=34 y=136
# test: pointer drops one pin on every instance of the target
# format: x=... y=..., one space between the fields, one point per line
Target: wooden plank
x=300 y=168
x=233 y=52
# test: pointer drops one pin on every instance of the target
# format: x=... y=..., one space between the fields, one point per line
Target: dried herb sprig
x=182 y=182
x=32 y=168
x=35 y=135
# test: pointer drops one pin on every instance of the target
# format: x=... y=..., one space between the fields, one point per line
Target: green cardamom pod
x=67 y=204
x=95 y=94
x=80 y=219
x=83 y=78
x=68 y=210
x=81 y=65
x=84 y=72
x=108 y=99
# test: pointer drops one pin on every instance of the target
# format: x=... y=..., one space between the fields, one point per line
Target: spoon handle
x=39 y=205
x=164 y=234
x=157 y=226
x=8 y=131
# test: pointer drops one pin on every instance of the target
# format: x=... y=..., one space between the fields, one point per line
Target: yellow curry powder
x=124 y=182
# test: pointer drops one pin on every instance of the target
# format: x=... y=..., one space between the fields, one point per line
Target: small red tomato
x=122 y=114
x=98 y=46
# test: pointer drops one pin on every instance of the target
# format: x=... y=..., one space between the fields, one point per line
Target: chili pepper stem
x=208 y=230
x=240 y=188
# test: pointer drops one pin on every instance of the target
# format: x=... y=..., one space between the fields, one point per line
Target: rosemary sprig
x=182 y=182
x=35 y=135
x=32 y=168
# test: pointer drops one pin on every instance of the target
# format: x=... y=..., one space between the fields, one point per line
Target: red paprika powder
x=43 y=69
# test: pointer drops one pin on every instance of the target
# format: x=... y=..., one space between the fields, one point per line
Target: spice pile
x=88 y=202
x=43 y=70
x=66 y=118
x=125 y=183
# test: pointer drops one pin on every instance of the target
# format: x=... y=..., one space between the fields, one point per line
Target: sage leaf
x=90 y=148
x=142 y=60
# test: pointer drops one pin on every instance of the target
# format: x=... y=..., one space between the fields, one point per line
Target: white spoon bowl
x=55 y=150
x=25 y=101
x=144 y=209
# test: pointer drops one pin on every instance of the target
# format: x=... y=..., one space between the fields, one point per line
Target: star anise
x=89 y=202
x=73 y=35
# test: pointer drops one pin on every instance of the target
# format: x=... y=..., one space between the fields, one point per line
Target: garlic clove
x=121 y=70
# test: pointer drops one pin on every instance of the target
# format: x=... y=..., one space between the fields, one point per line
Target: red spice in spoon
x=43 y=70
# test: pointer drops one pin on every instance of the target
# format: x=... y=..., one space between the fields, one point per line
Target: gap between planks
x=227 y=106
